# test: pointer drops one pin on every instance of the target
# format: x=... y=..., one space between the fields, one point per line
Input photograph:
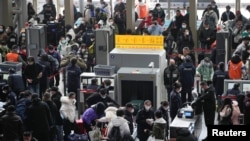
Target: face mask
x=73 y=101
x=208 y=64
x=103 y=96
x=1 y=30
x=67 y=39
x=165 y=108
x=63 y=41
x=187 y=33
x=147 y=107
x=111 y=23
x=206 y=28
x=184 y=26
x=213 y=6
x=23 y=35
x=91 y=40
x=50 y=51
x=4 y=92
x=132 y=111
x=158 y=8
x=179 y=90
x=24 y=50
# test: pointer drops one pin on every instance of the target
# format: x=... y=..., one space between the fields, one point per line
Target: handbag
x=95 y=135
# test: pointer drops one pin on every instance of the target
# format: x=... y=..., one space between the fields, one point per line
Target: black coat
x=141 y=117
x=175 y=104
x=209 y=106
x=73 y=78
x=11 y=126
x=16 y=83
x=96 y=97
x=39 y=120
x=171 y=75
x=129 y=118
x=218 y=81
x=187 y=73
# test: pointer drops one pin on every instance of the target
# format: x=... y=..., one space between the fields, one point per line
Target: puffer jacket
x=68 y=108
x=122 y=124
x=159 y=128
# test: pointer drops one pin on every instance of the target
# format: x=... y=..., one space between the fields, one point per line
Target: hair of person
x=158 y=114
x=120 y=112
x=147 y=101
x=70 y=94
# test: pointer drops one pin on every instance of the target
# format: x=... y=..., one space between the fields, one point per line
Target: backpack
x=115 y=134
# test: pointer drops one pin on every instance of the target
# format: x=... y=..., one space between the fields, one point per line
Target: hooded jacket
x=206 y=70
x=159 y=128
x=68 y=108
x=121 y=123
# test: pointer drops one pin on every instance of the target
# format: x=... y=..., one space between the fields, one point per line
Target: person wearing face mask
x=208 y=101
x=227 y=15
x=159 y=13
x=185 y=40
x=214 y=8
x=164 y=109
x=210 y=17
x=237 y=32
x=12 y=37
x=243 y=46
x=14 y=56
x=100 y=96
x=144 y=120
x=205 y=69
x=206 y=36
x=175 y=100
x=129 y=111
x=63 y=47
x=52 y=52
x=105 y=7
x=171 y=75
x=10 y=96
x=187 y=74
x=4 y=50
x=3 y=35
x=155 y=28
x=68 y=113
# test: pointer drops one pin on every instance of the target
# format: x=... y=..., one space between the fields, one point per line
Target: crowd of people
x=37 y=110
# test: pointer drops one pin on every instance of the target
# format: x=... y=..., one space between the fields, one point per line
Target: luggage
x=80 y=126
x=78 y=137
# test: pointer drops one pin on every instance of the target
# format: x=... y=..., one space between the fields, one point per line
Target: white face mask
x=158 y=8
x=147 y=107
x=187 y=33
x=179 y=90
x=67 y=39
x=50 y=51
x=184 y=26
x=165 y=108
x=63 y=41
x=91 y=40
x=206 y=28
x=111 y=23
x=132 y=111
x=1 y=30
x=103 y=96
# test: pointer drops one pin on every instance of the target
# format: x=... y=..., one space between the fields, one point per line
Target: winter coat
x=121 y=123
x=171 y=75
x=175 y=103
x=206 y=71
x=110 y=113
x=89 y=116
x=141 y=117
x=187 y=73
x=159 y=129
x=11 y=126
x=68 y=108
x=218 y=81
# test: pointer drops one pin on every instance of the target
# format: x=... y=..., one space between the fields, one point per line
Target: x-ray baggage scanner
x=135 y=83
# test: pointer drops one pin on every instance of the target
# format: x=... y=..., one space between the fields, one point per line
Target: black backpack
x=115 y=134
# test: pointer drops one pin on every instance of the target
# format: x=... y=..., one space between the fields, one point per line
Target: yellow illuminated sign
x=139 y=42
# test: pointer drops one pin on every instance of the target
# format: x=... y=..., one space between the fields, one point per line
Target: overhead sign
x=139 y=42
